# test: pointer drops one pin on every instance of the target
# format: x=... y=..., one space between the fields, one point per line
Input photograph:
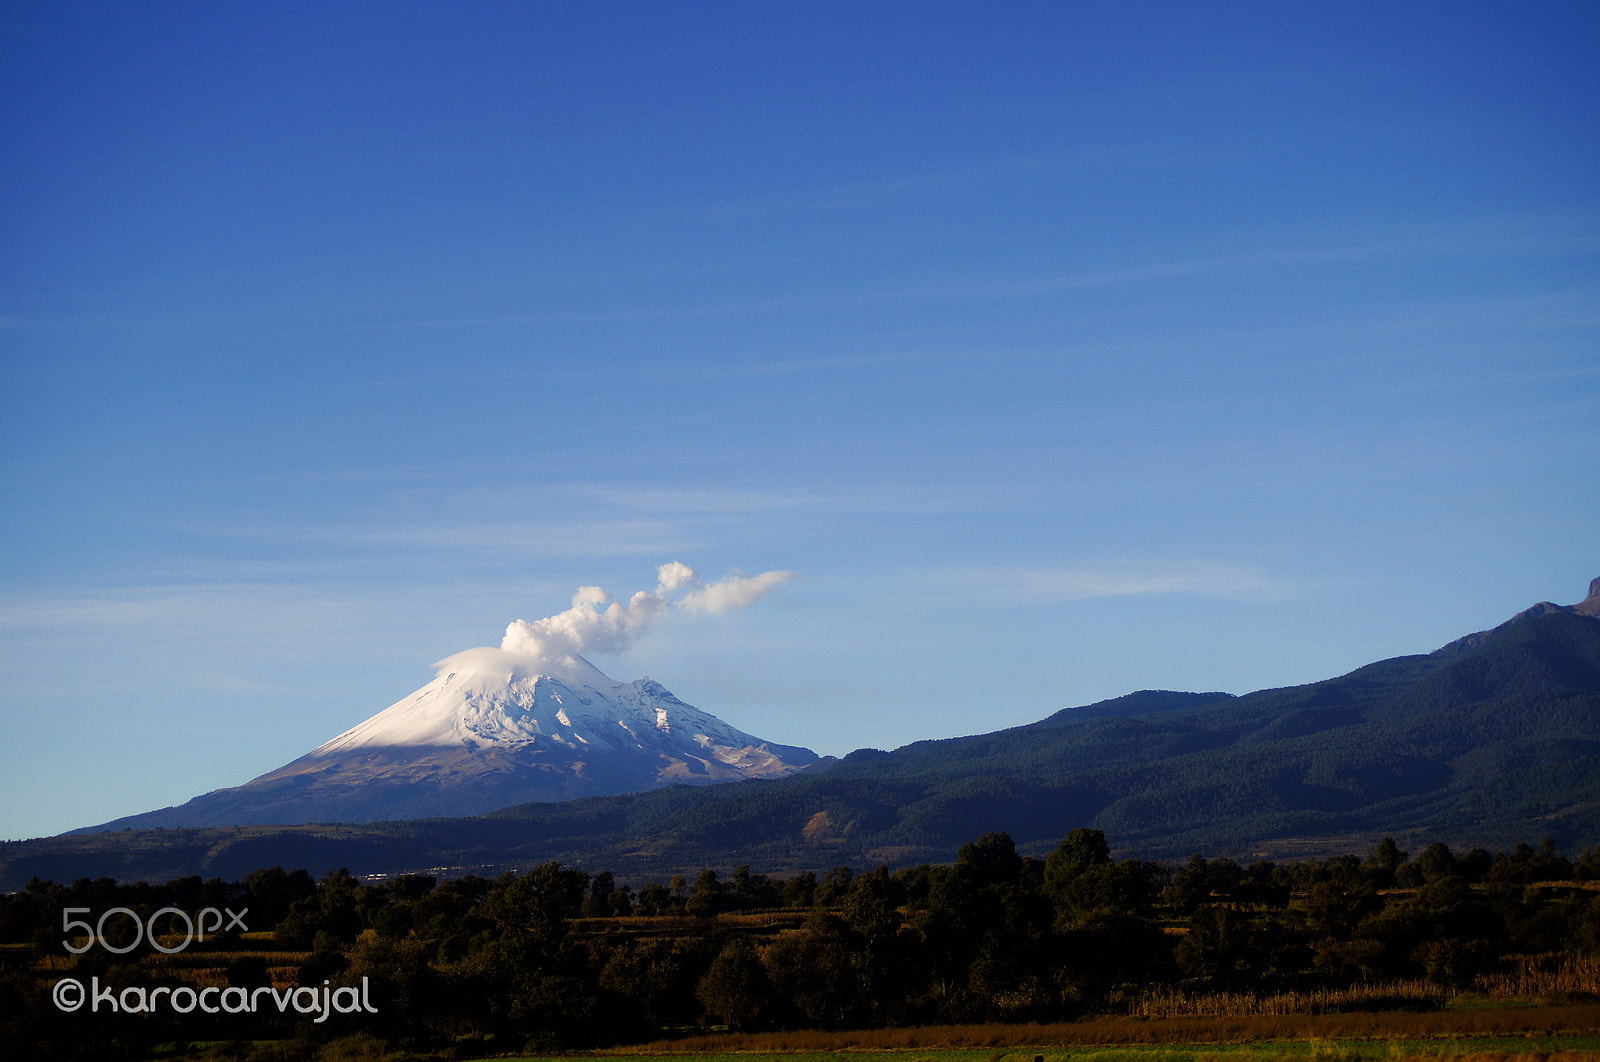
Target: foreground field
x=1477 y=1049
x=1549 y=1033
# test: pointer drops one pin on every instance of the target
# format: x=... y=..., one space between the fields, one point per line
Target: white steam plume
x=586 y=627
x=735 y=592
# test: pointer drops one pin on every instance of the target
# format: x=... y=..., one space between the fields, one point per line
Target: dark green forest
x=559 y=958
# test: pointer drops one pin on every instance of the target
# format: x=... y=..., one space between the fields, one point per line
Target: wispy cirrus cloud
x=1043 y=584
x=877 y=498
x=219 y=608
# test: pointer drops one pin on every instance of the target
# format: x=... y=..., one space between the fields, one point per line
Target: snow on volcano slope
x=486 y=698
x=491 y=730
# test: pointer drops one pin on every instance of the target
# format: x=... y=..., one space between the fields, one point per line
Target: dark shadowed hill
x=1486 y=744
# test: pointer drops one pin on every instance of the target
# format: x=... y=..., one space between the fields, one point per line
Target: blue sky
x=1063 y=349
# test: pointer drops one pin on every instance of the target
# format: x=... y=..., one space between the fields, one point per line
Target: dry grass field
x=1558 y=1033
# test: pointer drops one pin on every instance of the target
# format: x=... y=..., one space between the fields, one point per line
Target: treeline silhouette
x=559 y=958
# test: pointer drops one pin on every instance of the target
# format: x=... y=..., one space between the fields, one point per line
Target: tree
x=706 y=899
x=1436 y=861
x=994 y=855
x=1078 y=850
x=800 y=890
x=1080 y=877
x=655 y=977
x=654 y=899
x=831 y=889
x=598 y=903
x=871 y=907
x=735 y=990
x=400 y=975
x=272 y=892
x=1383 y=861
x=1219 y=946
x=816 y=969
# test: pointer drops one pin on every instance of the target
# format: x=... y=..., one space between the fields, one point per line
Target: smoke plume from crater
x=598 y=624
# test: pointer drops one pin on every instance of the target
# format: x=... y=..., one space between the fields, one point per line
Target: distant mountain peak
x=1589 y=606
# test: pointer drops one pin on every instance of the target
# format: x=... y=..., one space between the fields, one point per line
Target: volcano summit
x=493 y=729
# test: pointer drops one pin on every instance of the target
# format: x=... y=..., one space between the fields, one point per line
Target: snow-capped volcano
x=485 y=698
x=495 y=728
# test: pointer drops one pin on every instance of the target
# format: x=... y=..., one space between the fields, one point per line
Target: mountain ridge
x=1589 y=606
x=1490 y=746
